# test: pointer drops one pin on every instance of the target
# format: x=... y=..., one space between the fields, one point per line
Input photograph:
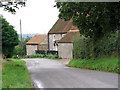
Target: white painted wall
x=52 y=38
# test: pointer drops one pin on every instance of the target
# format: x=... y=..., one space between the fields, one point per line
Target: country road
x=48 y=73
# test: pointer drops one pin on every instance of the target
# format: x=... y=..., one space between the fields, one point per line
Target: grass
x=15 y=74
x=103 y=64
x=0 y=74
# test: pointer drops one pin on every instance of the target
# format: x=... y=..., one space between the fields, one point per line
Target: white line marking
x=39 y=84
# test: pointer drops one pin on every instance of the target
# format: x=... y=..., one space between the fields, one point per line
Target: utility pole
x=20 y=33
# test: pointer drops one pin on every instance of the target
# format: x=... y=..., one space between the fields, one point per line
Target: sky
x=37 y=17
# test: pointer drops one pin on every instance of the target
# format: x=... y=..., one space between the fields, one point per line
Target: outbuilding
x=38 y=42
x=65 y=45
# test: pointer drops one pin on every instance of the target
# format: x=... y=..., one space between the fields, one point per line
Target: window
x=53 y=37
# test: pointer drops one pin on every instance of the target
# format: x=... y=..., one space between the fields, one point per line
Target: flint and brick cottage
x=60 y=38
x=38 y=42
x=59 y=30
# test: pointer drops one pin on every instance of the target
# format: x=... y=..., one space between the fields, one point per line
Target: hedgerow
x=90 y=48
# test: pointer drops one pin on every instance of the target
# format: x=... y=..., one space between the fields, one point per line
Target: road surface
x=47 y=73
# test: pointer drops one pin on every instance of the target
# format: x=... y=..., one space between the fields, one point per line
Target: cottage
x=38 y=42
x=65 y=45
x=59 y=30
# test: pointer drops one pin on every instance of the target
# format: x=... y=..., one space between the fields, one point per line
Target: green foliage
x=89 y=48
x=59 y=57
x=35 y=56
x=43 y=56
x=94 y=20
x=82 y=47
x=105 y=64
x=15 y=74
x=9 y=38
x=51 y=56
x=11 y=6
x=19 y=50
x=14 y=56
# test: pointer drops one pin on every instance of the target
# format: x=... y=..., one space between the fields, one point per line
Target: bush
x=59 y=57
x=8 y=51
x=82 y=47
x=43 y=56
x=14 y=56
x=35 y=56
x=51 y=56
x=19 y=51
x=86 y=48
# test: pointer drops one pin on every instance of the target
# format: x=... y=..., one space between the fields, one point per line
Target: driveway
x=48 y=73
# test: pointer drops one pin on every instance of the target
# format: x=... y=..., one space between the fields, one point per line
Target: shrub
x=26 y=57
x=35 y=56
x=19 y=51
x=14 y=56
x=86 y=48
x=59 y=57
x=51 y=56
x=43 y=56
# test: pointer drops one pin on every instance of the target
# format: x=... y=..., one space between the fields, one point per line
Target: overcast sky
x=37 y=17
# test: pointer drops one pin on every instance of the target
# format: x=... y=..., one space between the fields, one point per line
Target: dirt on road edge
x=64 y=61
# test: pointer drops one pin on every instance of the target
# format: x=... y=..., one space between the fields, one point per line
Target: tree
x=11 y=6
x=21 y=50
x=93 y=19
x=9 y=38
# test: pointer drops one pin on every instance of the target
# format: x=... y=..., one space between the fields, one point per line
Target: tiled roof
x=68 y=38
x=36 y=39
x=62 y=26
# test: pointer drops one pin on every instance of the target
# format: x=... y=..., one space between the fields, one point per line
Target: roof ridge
x=73 y=30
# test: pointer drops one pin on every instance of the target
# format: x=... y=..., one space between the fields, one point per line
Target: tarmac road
x=48 y=73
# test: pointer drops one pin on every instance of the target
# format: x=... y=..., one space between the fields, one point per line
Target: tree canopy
x=93 y=19
x=11 y=6
x=9 y=38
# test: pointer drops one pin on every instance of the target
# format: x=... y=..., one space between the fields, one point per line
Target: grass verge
x=103 y=64
x=0 y=81
x=15 y=74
